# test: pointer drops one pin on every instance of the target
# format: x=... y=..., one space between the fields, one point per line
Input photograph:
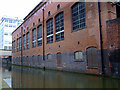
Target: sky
x=17 y=8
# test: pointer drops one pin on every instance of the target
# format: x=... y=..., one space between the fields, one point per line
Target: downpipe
x=101 y=40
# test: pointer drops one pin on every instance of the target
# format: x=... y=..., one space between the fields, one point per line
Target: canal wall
x=50 y=37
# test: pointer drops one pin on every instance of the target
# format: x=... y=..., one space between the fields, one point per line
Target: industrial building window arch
x=27 y=40
x=34 y=37
x=39 y=34
x=78 y=16
x=24 y=41
x=92 y=57
x=17 y=44
x=78 y=56
x=49 y=30
x=59 y=26
x=20 y=43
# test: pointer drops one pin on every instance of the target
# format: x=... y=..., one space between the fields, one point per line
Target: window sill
x=78 y=29
x=39 y=45
x=59 y=40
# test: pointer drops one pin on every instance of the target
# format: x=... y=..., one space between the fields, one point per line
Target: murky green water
x=24 y=77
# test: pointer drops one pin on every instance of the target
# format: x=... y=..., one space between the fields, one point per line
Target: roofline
x=17 y=27
x=25 y=19
x=35 y=8
x=32 y=10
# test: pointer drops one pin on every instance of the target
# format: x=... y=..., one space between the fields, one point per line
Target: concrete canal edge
x=97 y=75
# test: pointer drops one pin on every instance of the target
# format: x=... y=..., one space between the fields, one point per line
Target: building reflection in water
x=24 y=77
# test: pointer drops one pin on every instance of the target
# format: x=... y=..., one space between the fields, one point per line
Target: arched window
x=39 y=35
x=58 y=6
x=59 y=26
x=28 y=40
x=78 y=16
x=49 y=56
x=34 y=38
x=78 y=56
x=50 y=30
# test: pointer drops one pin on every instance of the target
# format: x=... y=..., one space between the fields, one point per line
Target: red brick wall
x=87 y=37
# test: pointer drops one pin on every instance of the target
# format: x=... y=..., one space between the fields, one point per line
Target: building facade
x=7 y=26
x=68 y=36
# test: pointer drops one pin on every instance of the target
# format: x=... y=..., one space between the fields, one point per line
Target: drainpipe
x=43 y=42
x=21 y=46
x=101 y=41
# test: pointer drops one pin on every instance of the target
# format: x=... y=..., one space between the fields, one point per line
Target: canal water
x=25 y=77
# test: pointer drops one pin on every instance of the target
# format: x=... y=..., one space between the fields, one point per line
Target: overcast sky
x=17 y=8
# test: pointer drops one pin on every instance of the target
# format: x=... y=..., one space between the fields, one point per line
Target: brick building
x=67 y=36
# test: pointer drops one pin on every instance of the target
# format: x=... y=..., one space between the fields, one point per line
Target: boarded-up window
x=49 y=56
x=78 y=56
x=59 y=59
x=92 y=57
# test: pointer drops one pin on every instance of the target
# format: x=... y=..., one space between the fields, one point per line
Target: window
x=10 y=48
x=5 y=33
x=50 y=31
x=28 y=39
x=6 y=25
x=13 y=46
x=33 y=24
x=20 y=43
x=10 y=25
x=58 y=6
x=78 y=16
x=17 y=45
x=14 y=26
x=34 y=38
x=39 y=20
x=48 y=13
x=27 y=28
x=24 y=42
x=10 y=20
x=39 y=35
x=78 y=56
x=59 y=26
x=49 y=56
x=5 y=47
x=6 y=20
